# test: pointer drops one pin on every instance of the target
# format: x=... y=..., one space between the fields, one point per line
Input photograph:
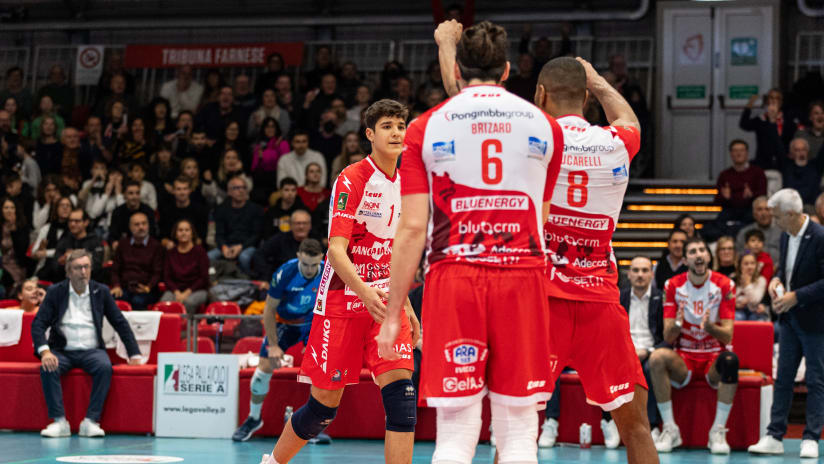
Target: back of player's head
x=565 y=81
x=384 y=108
x=481 y=52
x=311 y=247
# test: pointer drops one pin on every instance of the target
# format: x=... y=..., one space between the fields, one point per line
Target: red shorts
x=484 y=329
x=698 y=364
x=593 y=338
x=339 y=346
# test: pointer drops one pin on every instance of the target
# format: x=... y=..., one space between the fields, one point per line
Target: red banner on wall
x=211 y=56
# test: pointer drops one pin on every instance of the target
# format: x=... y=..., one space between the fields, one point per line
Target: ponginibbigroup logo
x=197 y=379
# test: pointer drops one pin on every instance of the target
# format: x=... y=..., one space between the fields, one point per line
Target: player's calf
x=399 y=405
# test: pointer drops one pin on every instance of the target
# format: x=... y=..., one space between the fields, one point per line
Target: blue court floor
x=30 y=448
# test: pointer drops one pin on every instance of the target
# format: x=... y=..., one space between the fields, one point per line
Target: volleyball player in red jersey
x=484 y=163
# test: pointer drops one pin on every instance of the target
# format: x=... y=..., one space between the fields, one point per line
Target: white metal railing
x=809 y=53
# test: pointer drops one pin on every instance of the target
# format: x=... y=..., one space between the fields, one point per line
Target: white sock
x=666 y=412
x=254 y=410
x=722 y=412
x=271 y=459
x=60 y=419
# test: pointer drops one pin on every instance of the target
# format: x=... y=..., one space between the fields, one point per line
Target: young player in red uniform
x=590 y=329
x=363 y=218
x=699 y=311
x=484 y=163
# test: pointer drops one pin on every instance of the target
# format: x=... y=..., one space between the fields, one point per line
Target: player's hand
x=592 y=74
x=679 y=314
x=275 y=356
x=774 y=283
x=705 y=320
x=414 y=322
x=785 y=303
x=448 y=32
x=49 y=362
x=386 y=339
x=373 y=299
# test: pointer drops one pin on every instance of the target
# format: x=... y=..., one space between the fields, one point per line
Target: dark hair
x=138 y=164
x=757 y=233
x=692 y=240
x=677 y=223
x=85 y=216
x=53 y=208
x=19 y=216
x=736 y=142
x=288 y=181
x=481 y=52
x=675 y=231
x=814 y=103
x=311 y=247
x=198 y=129
x=266 y=121
x=177 y=223
x=131 y=183
x=300 y=131
x=565 y=81
x=12 y=70
x=273 y=55
x=385 y=108
x=183 y=180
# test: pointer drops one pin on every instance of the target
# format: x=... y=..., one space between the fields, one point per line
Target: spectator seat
x=217 y=308
x=9 y=303
x=169 y=307
x=123 y=305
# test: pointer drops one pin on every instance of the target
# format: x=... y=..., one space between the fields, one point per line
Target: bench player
x=483 y=163
x=699 y=311
x=590 y=329
x=287 y=317
x=363 y=216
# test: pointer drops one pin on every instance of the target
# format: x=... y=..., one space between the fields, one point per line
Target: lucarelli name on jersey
x=492 y=202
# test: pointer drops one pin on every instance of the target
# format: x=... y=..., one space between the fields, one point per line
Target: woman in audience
x=17 y=122
x=190 y=169
x=133 y=146
x=211 y=87
x=311 y=193
x=49 y=151
x=724 y=261
x=269 y=109
x=351 y=145
x=686 y=223
x=46 y=109
x=186 y=269
x=162 y=172
x=214 y=189
x=115 y=123
x=102 y=194
x=15 y=241
x=159 y=124
x=45 y=242
x=30 y=295
x=267 y=150
x=47 y=193
x=180 y=140
x=232 y=140
x=749 y=290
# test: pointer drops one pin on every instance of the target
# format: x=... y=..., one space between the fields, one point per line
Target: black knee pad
x=312 y=419
x=399 y=403
x=727 y=366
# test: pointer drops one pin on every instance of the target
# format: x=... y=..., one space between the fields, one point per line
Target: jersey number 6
x=493 y=168
x=577 y=181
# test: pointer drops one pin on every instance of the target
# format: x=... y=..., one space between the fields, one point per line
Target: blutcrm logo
x=488 y=228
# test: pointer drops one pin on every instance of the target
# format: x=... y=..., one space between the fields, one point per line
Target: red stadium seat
x=205 y=345
x=9 y=304
x=220 y=307
x=247 y=344
x=124 y=305
x=170 y=307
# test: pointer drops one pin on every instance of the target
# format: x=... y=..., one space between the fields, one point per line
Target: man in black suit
x=797 y=291
x=74 y=309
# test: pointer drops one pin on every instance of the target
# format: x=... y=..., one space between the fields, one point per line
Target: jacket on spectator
x=91 y=243
x=186 y=271
x=807 y=278
x=771 y=142
x=265 y=157
x=138 y=263
x=119 y=226
x=804 y=179
x=752 y=177
x=238 y=225
x=54 y=307
x=656 y=312
x=275 y=251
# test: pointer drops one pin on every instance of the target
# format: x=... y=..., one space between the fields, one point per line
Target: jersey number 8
x=577 y=181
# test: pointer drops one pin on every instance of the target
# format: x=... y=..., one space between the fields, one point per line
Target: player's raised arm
x=447 y=36
x=616 y=107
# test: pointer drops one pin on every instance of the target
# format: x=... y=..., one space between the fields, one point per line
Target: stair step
x=663 y=216
x=691 y=200
x=672 y=183
x=622 y=235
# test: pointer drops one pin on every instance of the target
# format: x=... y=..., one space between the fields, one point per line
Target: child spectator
x=749 y=290
x=755 y=245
